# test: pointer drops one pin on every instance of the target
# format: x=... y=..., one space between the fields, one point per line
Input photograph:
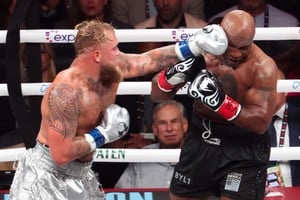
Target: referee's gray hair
x=162 y=104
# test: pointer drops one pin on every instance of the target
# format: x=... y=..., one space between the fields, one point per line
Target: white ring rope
x=136 y=88
x=144 y=35
x=148 y=155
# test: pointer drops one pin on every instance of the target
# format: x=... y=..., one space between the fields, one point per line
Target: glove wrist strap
x=90 y=140
x=229 y=109
x=183 y=50
x=97 y=136
x=163 y=83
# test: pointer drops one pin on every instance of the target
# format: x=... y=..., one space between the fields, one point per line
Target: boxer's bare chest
x=94 y=102
x=235 y=82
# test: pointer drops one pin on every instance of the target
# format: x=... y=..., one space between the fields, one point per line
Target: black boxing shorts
x=221 y=159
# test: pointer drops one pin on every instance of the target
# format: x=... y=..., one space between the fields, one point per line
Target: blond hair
x=91 y=33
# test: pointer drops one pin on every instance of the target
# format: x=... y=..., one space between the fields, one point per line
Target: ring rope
x=148 y=155
x=144 y=35
x=137 y=88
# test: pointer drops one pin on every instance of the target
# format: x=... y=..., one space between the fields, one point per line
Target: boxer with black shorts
x=227 y=150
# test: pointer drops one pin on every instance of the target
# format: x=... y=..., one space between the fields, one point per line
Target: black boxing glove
x=208 y=89
x=182 y=72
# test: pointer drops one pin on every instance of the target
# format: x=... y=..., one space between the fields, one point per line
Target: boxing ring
x=143 y=88
x=138 y=88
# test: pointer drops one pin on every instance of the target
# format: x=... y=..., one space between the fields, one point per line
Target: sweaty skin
x=73 y=106
x=76 y=100
x=248 y=75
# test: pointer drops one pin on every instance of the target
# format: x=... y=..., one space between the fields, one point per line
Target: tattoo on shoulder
x=64 y=108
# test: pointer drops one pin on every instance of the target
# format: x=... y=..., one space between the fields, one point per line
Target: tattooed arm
x=134 y=65
x=64 y=108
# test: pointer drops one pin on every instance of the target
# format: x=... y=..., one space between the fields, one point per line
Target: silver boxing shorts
x=38 y=178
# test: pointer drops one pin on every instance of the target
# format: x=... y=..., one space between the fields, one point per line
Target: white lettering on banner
x=129 y=196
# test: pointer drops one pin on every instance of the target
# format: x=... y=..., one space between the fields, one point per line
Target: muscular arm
x=64 y=108
x=211 y=39
x=135 y=65
x=260 y=100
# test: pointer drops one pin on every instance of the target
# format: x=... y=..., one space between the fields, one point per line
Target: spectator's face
x=92 y=8
x=169 y=127
x=251 y=5
x=168 y=9
x=45 y=58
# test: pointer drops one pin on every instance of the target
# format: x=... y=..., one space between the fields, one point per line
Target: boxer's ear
x=97 y=55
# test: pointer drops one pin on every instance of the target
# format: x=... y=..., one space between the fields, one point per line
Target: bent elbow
x=260 y=127
x=60 y=159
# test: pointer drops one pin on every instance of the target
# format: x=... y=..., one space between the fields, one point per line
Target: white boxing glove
x=114 y=125
x=210 y=39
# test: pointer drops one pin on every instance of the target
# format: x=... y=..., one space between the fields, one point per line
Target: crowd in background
x=136 y=14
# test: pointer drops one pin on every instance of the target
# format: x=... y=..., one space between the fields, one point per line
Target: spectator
x=134 y=12
x=51 y=12
x=284 y=132
x=170 y=14
x=47 y=61
x=169 y=126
